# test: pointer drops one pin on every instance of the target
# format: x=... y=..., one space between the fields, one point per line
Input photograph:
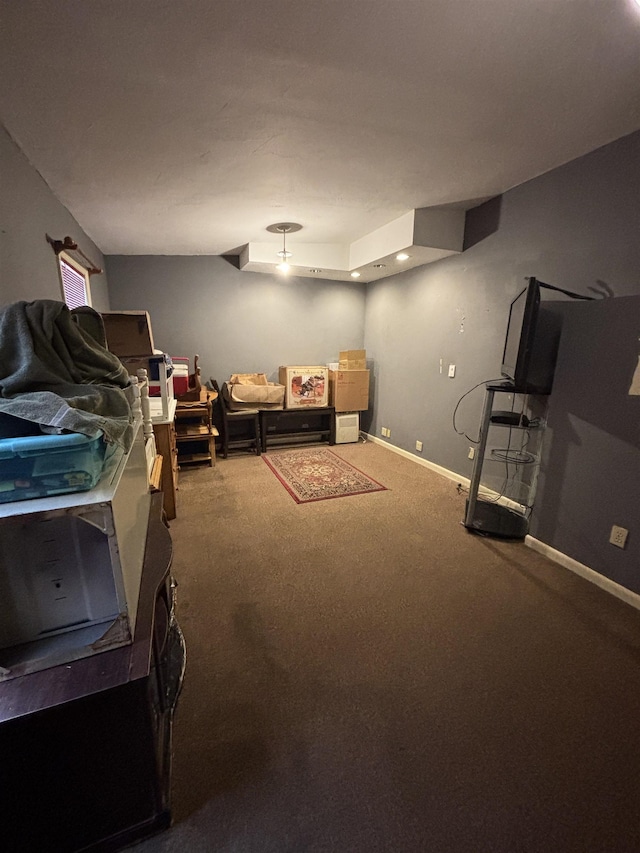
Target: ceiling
x=183 y=127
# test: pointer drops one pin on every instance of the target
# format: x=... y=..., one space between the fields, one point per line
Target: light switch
x=452 y=371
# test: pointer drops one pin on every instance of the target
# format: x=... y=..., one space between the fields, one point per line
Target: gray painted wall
x=29 y=211
x=575 y=227
x=238 y=322
x=445 y=312
x=591 y=470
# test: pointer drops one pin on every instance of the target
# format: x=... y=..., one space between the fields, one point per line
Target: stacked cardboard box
x=128 y=333
x=349 y=390
x=349 y=385
x=305 y=387
x=353 y=359
x=129 y=336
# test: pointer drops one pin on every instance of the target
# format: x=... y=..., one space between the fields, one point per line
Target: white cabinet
x=347 y=427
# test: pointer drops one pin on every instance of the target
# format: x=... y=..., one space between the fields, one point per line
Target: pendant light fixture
x=284 y=228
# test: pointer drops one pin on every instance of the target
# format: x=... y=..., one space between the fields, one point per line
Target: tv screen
x=514 y=335
x=531 y=342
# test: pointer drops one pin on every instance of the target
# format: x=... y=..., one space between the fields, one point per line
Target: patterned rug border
x=380 y=487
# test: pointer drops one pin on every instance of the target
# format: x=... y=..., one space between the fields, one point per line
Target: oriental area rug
x=311 y=474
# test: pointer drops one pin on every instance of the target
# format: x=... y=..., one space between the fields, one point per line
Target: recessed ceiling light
x=402 y=256
x=355 y=275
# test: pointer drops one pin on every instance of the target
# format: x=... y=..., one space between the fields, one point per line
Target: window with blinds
x=75 y=282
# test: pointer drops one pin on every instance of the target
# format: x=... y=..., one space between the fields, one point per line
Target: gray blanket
x=55 y=375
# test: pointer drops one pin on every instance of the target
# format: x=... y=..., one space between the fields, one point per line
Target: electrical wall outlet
x=472 y=452
x=618 y=536
x=386 y=432
x=419 y=446
x=452 y=371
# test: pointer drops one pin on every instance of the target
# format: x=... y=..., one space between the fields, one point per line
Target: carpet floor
x=366 y=675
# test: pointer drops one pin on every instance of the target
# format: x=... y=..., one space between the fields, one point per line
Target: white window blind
x=75 y=283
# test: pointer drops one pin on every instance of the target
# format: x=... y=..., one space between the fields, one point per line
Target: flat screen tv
x=531 y=342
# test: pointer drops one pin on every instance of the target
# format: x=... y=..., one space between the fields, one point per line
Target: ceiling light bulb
x=283 y=228
x=283 y=266
x=355 y=275
x=402 y=256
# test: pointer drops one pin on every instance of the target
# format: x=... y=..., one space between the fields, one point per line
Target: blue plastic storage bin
x=35 y=466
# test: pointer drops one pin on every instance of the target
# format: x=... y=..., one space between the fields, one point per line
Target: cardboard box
x=353 y=359
x=305 y=387
x=349 y=390
x=241 y=397
x=128 y=333
x=248 y=379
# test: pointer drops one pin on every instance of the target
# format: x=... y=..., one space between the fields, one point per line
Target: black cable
x=510 y=457
x=566 y=292
x=506 y=487
x=516 y=457
x=462 y=432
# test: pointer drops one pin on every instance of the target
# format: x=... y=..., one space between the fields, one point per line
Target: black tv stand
x=494 y=519
x=506 y=386
x=509 y=474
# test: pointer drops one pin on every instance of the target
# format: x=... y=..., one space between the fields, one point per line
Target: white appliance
x=70 y=567
x=347 y=427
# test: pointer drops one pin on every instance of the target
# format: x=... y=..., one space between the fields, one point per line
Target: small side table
x=195 y=433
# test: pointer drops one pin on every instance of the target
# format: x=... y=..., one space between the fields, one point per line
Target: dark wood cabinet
x=281 y=426
x=85 y=748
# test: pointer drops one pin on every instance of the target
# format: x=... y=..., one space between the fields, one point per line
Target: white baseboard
x=621 y=592
x=585 y=572
x=444 y=472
